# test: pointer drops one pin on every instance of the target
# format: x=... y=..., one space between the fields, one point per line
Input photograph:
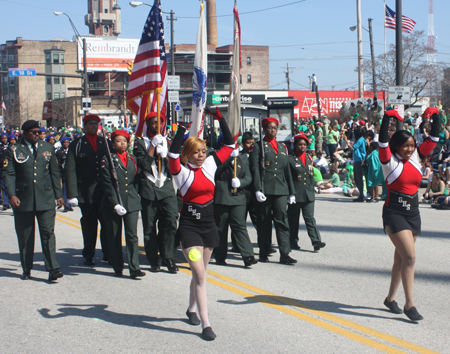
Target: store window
x=249 y=60
x=56 y=80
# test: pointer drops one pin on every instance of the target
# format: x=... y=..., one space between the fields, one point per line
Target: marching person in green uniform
x=121 y=205
x=158 y=196
x=301 y=167
x=274 y=188
x=33 y=182
x=230 y=205
x=82 y=173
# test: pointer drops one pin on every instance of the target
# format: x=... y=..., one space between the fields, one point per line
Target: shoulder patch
x=5 y=163
x=103 y=164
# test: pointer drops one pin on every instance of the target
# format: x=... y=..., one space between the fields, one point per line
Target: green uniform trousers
x=274 y=208
x=165 y=241
x=114 y=232
x=233 y=215
x=91 y=214
x=293 y=213
x=250 y=210
x=25 y=224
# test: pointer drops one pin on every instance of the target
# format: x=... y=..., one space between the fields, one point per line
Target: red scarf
x=273 y=143
x=151 y=135
x=302 y=157
x=123 y=157
x=92 y=140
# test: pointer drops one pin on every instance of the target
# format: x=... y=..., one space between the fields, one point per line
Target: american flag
x=149 y=76
x=407 y=23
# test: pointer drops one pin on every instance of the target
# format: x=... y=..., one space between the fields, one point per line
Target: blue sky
x=313 y=36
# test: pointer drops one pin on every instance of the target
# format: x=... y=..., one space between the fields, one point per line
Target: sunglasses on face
x=35 y=132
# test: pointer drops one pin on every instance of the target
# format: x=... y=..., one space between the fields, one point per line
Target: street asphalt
x=329 y=302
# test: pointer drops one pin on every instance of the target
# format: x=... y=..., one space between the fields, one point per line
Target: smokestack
x=212 y=22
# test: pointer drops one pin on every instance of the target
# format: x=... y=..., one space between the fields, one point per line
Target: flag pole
x=158 y=117
x=385 y=60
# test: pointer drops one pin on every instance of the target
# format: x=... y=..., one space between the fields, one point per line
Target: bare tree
x=417 y=73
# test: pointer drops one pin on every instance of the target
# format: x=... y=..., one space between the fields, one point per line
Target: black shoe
x=413 y=314
x=208 y=334
x=272 y=251
x=295 y=246
x=193 y=318
x=6 y=207
x=25 y=276
x=171 y=267
x=249 y=261
x=118 y=273
x=136 y=273
x=155 y=268
x=221 y=262
x=233 y=250
x=55 y=274
x=358 y=200
x=393 y=306
x=286 y=259
x=89 y=262
x=264 y=259
x=319 y=245
x=375 y=200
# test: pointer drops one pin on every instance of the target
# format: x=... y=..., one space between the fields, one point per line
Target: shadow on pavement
x=100 y=312
x=320 y=306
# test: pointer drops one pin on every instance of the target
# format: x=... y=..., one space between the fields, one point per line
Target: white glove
x=260 y=197
x=235 y=153
x=235 y=182
x=162 y=151
x=157 y=140
x=120 y=210
x=73 y=201
x=291 y=199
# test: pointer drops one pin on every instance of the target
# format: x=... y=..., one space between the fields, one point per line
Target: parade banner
x=200 y=77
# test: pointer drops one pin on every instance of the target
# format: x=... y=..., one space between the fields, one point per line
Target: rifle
x=113 y=168
x=263 y=162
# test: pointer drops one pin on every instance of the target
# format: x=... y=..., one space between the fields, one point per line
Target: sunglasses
x=35 y=132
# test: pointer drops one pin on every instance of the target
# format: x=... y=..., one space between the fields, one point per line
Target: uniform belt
x=402 y=201
x=199 y=205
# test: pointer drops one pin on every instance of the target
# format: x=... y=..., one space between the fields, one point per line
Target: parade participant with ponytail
x=400 y=160
x=197 y=229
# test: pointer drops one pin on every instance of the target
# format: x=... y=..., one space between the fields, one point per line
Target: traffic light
x=130 y=67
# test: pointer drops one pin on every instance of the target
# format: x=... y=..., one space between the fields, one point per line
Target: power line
x=252 y=12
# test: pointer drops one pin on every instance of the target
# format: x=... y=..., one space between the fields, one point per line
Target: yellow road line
x=330 y=327
x=326 y=315
x=299 y=305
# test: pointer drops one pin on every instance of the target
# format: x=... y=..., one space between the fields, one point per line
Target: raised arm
x=428 y=145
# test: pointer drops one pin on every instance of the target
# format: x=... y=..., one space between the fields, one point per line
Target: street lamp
x=374 y=81
x=138 y=3
x=77 y=34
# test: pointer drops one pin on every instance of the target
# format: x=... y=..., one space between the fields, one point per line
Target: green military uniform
x=126 y=176
x=36 y=181
x=156 y=201
x=303 y=178
x=230 y=209
x=82 y=176
x=278 y=185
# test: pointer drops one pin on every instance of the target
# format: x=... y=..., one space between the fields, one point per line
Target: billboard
x=106 y=54
x=330 y=101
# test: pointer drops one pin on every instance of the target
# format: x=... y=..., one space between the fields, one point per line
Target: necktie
x=34 y=151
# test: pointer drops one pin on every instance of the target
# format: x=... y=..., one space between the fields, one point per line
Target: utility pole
x=360 y=53
x=398 y=50
x=172 y=61
x=85 y=75
x=372 y=54
x=288 y=72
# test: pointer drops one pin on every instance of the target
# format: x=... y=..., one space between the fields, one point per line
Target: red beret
x=301 y=136
x=150 y=115
x=120 y=132
x=89 y=117
x=429 y=112
x=268 y=120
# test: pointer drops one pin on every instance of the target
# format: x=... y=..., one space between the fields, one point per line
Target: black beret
x=30 y=124
x=247 y=136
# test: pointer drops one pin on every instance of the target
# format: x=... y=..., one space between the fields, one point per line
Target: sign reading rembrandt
x=107 y=54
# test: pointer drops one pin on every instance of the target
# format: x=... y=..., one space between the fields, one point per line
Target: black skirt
x=197 y=226
x=402 y=213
